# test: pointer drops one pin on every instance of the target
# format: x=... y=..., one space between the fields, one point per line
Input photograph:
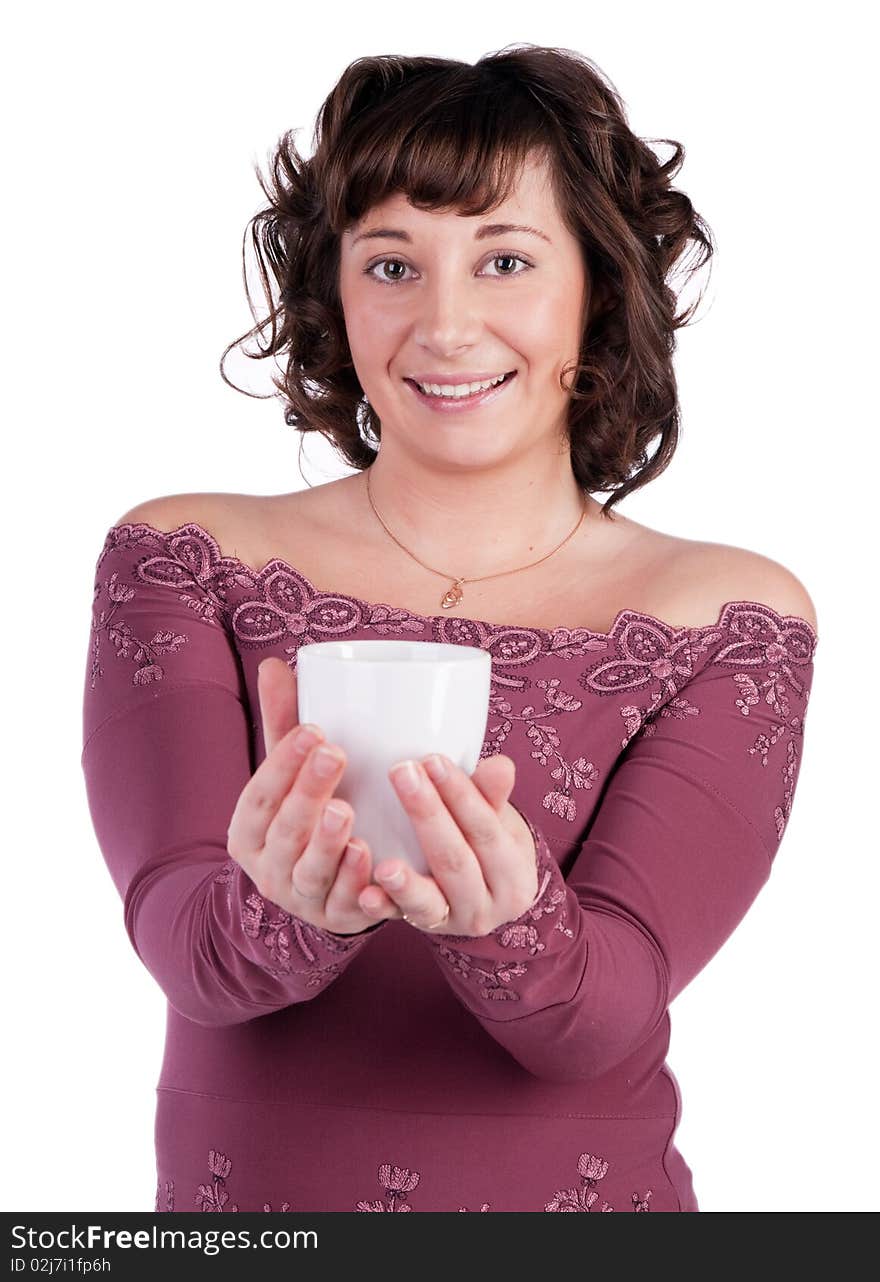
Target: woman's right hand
x=276 y=832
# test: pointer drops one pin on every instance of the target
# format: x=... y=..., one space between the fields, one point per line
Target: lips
x=461 y=406
x=506 y=379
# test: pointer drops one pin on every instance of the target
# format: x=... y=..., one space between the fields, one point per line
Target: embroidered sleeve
x=166 y=753
x=678 y=848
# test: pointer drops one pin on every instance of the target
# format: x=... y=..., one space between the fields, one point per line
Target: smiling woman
x=469 y=281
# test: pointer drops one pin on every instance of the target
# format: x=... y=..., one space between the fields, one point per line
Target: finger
x=375 y=903
x=495 y=776
x=479 y=822
x=290 y=843
x=419 y=898
x=352 y=882
x=451 y=860
x=315 y=872
x=264 y=792
x=277 y=691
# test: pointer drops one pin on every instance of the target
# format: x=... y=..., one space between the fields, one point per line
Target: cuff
x=356 y=934
x=281 y=942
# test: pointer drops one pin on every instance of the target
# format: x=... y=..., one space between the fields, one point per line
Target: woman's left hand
x=477 y=845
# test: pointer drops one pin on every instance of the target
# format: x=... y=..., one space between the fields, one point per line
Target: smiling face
x=454 y=299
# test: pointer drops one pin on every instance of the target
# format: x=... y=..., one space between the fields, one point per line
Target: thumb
x=277 y=690
x=495 y=777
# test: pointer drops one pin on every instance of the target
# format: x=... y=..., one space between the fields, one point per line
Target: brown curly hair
x=454 y=135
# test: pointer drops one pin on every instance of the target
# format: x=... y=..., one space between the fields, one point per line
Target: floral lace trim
x=397 y=1183
x=788 y=728
x=141 y=651
x=773 y=689
x=292 y=944
x=527 y=936
x=285 y=603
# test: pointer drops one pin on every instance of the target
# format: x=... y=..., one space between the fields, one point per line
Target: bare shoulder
x=250 y=527
x=170 y=511
x=711 y=574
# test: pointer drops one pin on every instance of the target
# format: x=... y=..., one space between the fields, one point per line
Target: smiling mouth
x=447 y=397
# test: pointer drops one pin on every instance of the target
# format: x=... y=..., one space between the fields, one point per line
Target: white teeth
x=458 y=389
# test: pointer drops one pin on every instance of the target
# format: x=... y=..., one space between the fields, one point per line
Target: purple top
x=400 y=1070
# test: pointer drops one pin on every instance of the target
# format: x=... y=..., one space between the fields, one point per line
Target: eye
x=518 y=258
x=398 y=262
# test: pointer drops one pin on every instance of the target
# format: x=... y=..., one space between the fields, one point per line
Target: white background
x=130 y=138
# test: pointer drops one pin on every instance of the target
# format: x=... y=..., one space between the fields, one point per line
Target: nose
x=448 y=314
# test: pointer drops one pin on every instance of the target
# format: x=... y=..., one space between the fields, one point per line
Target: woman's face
x=437 y=294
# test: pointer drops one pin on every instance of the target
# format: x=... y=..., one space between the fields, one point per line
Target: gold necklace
x=454 y=594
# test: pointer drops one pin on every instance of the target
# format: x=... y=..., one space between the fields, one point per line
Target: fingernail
x=334 y=818
x=392 y=879
x=406 y=776
x=306 y=737
x=326 y=761
x=435 y=768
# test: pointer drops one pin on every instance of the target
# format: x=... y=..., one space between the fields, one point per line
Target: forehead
x=531 y=200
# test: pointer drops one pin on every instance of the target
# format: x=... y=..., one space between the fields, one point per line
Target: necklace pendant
x=452 y=596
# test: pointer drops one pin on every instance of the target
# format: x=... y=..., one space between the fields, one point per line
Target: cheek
x=361 y=312
x=544 y=345
x=548 y=334
x=370 y=326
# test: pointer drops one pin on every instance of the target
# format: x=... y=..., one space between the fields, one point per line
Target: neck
x=477 y=523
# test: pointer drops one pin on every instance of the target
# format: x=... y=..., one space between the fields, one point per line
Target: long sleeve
x=166 y=753
x=676 y=850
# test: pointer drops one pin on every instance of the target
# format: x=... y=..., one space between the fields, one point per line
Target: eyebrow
x=482 y=233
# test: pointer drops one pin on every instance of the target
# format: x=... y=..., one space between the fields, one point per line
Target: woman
x=345 y=1034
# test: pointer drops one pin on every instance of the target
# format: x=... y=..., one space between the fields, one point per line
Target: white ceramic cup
x=384 y=702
